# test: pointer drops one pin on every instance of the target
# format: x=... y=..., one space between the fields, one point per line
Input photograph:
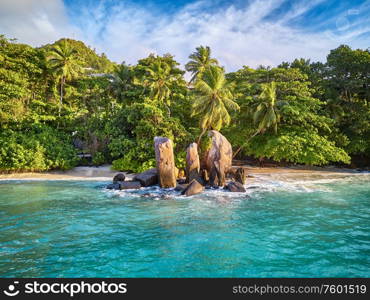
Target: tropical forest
x=64 y=104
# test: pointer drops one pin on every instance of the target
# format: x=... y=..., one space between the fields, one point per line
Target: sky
x=240 y=32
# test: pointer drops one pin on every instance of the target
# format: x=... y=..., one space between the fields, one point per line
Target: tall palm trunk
x=62 y=81
x=201 y=135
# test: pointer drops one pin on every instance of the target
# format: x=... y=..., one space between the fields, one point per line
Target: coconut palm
x=121 y=81
x=199 y=61
x=64 y=62
x=159 y=80
x=265 y=112
x=213 y=100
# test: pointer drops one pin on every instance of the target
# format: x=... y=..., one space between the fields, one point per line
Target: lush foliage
x=36 y=148
x=64 y=98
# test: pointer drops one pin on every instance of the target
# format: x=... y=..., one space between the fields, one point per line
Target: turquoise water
x=310 y=228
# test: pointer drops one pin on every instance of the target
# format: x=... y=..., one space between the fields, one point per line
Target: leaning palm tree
x=159 y=80
x=213 y=100
x=265 y=112
x=64 y=62
x=199 y=61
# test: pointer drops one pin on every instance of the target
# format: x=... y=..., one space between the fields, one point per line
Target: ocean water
x=282 y=227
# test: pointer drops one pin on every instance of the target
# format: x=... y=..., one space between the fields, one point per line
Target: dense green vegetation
x=64 y=98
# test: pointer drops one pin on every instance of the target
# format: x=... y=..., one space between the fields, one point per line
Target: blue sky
x=240 y=32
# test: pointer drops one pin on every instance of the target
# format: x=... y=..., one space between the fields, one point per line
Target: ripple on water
x=312 y=227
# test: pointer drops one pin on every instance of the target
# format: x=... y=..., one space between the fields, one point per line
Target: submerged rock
x=219 y=158
x=119 y=177
x=113 y=186
x=234 y=186
x=165 y=162
x=148 y=177
x=165 y=197
x=126 y=185
x=193 y=188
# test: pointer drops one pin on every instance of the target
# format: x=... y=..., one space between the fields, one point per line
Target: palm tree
x=121 y=81
x=265 y=112
x=199 y=61
x=64 y=62
x=214 y=99
x=159 y=79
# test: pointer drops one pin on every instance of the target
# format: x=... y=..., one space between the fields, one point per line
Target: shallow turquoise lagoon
x=307 y=228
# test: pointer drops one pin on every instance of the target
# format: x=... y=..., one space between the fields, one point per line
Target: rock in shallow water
x=219 y=158
x=241 y=176
x=147 y=178
x=192 y=162
x=193 y=188
x=113 y=186
x=165 y=162
x=126 y=185
x=180 y=187
x=235 y=187
x=119 y=177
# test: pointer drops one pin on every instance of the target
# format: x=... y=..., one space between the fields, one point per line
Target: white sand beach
x=105 y=173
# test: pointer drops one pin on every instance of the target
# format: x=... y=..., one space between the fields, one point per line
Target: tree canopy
x=64 y=98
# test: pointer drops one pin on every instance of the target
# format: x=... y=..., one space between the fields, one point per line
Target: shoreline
x=104 y=173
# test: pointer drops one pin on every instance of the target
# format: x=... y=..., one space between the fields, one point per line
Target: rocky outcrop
x=219 y=158
x=234 y=186
x=165 y=162
x=240 y=175
x=204 y=175
x=119 y=177
x=148 y=177
x=126 y=185
x=193 y=188
x=192 y=163
x=181 y=187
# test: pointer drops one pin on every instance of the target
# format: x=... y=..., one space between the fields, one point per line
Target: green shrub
x=133 y=132
x=98 y=159
x=38 y=148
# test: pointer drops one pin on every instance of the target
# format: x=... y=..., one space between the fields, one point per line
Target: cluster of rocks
x=216 y=171
x=144 y=179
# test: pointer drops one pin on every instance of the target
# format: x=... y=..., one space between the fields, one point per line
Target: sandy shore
x=104 y=173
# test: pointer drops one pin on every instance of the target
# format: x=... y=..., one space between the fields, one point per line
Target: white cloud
x=35 y=22
x=237 y=36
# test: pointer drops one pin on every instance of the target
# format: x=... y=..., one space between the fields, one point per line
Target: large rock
x=119 y=177
x=126 y=185
x=204 y=175
x=181 y=187
x=165 y=162
x=192 y=162
x=148 y=177
x=234 y=186
x=219 y=158
x=193 y=188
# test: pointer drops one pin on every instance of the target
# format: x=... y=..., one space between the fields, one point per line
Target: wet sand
x=104 y=173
